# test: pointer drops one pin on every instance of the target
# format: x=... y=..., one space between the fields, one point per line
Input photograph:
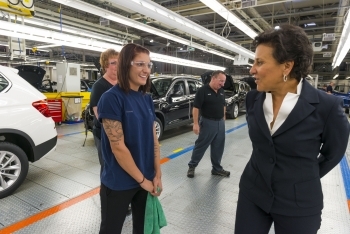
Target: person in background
x=108 y=62
x=130 y=147
x=324 y=87
x=298 y=135
x=210 y=100
x=330 y=87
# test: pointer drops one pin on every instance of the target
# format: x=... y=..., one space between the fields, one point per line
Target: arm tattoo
x=113 y=130
x=156 y=149
x=156 y=142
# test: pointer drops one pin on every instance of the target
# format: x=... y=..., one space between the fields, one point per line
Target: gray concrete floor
x=204 y=204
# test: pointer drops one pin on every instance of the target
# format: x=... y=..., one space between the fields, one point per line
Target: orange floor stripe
x=164 y=160
x=349 y=205
x=43 y=214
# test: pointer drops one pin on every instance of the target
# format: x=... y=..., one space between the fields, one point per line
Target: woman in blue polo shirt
x=129 y=143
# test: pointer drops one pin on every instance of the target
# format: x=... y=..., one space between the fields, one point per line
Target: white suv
x=27 y=131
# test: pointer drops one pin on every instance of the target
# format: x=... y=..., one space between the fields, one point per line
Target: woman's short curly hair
x=105 y=56
x=289 y=43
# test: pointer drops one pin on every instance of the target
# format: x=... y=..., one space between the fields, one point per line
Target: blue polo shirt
x=135 y=111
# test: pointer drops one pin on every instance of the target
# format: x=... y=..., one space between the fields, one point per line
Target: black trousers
x=114 y=207
x=251 y=219
x=212 y=132
x=99 y=151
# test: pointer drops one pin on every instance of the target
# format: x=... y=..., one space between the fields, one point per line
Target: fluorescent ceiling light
x=30 y=33
x=310 y=24
x=170 y=18
x=71 y=30
x=230 y=17
x=47 y=46
x=151 y=40
x=135 y=24
x=277 y=27
x=344 y=44
x=335 y=76
x=183 y=62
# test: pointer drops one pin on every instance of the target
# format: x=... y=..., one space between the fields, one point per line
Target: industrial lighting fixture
x=170 y=18
x=42 y=35
x=335 y=76
x=348 y=77
x=151 y=40
x=72 y=30
x=47 y=46
x=310 y=25
x=135 y=24
x=230 y=17
x=168 y=44
x=184 y=62
x=344 y=44
x=277 y=27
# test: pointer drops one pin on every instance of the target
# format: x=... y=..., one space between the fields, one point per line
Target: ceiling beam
x=53 y=16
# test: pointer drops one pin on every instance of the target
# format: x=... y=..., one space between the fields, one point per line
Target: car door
x=241 y=95
x=247 y=89
x=177 y=109
x=193 y=86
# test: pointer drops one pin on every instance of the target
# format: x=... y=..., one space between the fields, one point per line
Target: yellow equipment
x=18 y=7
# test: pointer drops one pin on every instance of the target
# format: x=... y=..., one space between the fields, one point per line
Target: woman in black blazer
x=298 y=135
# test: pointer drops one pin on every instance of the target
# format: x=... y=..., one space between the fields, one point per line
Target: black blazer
x=284 y=171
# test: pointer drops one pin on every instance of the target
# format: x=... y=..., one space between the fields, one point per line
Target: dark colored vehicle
x=86 y=85
x=173 y=99
x=34 y=75
x=251 y=81
x=346 y=100
x=235 y=94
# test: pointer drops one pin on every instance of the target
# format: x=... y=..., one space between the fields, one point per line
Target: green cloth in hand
x=154 y=216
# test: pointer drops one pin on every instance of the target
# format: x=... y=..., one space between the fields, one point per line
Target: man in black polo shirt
x=330 y=87
x=210 y=100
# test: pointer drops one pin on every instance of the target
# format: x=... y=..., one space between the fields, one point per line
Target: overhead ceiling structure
x=212 y=32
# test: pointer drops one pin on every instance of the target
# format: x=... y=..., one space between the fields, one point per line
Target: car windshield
x=161 y=85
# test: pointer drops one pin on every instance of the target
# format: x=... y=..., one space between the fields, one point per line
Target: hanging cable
x=346 y=15
x=222 y=32
x=60 y=10
x=19 y=42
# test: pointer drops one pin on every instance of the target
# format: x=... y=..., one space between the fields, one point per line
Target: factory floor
x=60 y=194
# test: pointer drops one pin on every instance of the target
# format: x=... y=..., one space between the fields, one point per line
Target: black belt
x=212 y=118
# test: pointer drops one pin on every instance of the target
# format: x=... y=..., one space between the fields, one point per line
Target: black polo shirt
x=329 y=89
x=210 y=103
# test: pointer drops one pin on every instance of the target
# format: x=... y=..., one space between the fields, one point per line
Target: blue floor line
x=346 y=176
x=235 y=128
x=69 y=134
x=175 y=155
x=343 y=163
